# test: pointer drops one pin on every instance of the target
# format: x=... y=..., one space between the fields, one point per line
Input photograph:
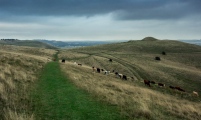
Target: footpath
x=56 y=98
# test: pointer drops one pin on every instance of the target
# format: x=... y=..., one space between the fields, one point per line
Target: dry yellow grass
x=71 y=55
x=13 y=115
x=18 y=72
x=179 y=67
x=38 y=53
x=92 y=60
x=133 y=101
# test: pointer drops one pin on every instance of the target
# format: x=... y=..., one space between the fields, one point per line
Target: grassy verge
x=56 y=98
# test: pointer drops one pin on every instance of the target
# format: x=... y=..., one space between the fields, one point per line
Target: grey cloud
x=172 y=9
x=122 y=9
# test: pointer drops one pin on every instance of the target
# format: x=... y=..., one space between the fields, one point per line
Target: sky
x=100 y=19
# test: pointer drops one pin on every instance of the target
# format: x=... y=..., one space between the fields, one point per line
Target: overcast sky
x=100 y=19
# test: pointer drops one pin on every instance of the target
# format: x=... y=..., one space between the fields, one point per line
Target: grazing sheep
x=93 y=68
x=117 y=74
x=98 y=70
x=179 y=89
x=171 y=87
x=124 y=77
x=147 y=82
x=120 y=75
x=106 y=72
x=153 y=82
x=195 y=93
x=161 y=85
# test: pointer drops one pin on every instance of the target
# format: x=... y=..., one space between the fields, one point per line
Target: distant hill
x=73 y=44
x=139 y=58
x=149 y=39
x=30 y=43
x=196 y=42
x=147 y=45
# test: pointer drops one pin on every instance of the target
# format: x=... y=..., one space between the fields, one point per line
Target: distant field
x=77 y=43
x=196 y=42
x=179 y=67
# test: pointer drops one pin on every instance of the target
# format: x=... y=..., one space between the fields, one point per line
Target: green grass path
x=56 y=98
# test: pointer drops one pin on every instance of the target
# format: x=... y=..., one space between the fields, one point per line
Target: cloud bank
x=123 y=9
x=104 y=19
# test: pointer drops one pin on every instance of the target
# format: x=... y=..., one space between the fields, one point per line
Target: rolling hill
x=30 y=43
x=74 y=44
x=179 y=67
x=136 y=59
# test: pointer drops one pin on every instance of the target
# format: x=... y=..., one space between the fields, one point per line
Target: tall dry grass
x=133 y=101
x=179 y=67
x=39 y=53
x=18 y=71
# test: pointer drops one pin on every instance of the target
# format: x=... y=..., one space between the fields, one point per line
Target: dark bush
x=157 y=58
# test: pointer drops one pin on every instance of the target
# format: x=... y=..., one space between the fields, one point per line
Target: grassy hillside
x=179 y=67
x=19 y=68
x=28 y=51
x=30 y=43
x=18 y=71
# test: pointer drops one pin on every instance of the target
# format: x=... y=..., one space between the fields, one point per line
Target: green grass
x=57 y=98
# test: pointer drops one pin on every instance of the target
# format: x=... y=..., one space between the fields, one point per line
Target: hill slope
x=136 y=59
x=19 y=69
x=180 y=66
x=30 y=43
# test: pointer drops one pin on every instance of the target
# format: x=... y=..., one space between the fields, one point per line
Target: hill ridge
x=149 y=39
x=29 y=43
